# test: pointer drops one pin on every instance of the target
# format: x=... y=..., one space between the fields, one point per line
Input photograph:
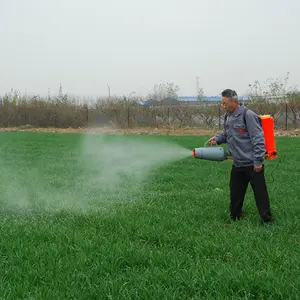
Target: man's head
x=230 y=100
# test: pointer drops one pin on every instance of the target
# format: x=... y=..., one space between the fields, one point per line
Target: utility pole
x=197 y=84
x=108 y=91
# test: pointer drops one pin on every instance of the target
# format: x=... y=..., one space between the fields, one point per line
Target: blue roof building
x=193 y=99
x=207 y=98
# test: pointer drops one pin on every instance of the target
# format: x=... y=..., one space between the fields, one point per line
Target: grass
x=170 y=239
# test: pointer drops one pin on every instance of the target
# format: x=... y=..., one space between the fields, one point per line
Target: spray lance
x=218 y=153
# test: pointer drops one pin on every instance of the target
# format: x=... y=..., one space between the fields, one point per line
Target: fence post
x=128 y=117
x=55 y=119
x=219 y=112
x=286 y=116
x=87 y=115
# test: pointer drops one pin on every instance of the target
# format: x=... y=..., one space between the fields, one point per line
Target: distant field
x=170 y=238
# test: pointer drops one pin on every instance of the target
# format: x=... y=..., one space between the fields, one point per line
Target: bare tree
x=164 y=90
x=274 y=97
x=293 y=103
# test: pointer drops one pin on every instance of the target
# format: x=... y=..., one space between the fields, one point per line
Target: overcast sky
x=133 y=44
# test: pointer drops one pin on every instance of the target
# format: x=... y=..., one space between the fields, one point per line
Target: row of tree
x=63 y=110
x=271 y=90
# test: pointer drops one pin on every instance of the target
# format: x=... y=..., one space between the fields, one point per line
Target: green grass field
x=170 y=238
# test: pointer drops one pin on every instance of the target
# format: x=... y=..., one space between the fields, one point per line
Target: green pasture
x=64 y=236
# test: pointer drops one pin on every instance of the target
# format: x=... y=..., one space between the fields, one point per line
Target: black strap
x=244 y=115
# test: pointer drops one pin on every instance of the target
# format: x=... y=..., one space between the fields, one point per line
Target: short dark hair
x=229 y=93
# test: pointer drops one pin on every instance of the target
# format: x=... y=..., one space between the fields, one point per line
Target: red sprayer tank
x=268 y=128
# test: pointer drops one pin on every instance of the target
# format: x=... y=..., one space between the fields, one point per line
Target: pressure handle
x=206 y=143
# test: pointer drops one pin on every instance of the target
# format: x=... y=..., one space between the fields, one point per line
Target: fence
x=286 y=116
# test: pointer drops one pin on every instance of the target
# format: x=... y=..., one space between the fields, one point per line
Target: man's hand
x=258 y=168
x=212 y=141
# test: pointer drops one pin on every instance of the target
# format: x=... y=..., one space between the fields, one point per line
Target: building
x=193 y=100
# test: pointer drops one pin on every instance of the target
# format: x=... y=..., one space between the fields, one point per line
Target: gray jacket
x=246 y=143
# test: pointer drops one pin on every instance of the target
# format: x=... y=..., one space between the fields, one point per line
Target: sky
x=132 y=45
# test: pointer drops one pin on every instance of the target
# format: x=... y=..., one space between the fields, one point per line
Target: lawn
x=64 y=236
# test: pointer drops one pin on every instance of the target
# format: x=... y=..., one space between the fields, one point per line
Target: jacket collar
x=238 y=111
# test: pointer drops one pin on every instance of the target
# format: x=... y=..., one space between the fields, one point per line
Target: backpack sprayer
x=220 y=154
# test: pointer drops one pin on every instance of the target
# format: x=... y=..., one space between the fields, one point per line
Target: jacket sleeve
x=256 y=134
x=221 y=138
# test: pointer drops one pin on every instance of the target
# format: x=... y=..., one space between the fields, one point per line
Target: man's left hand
x=258 y=168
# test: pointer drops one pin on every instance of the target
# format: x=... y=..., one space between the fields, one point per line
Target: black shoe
x=267 y=219
x=234 y=218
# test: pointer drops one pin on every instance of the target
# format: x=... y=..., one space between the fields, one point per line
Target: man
x=246 y=144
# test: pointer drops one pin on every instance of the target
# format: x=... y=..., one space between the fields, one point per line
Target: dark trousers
x=239 y=180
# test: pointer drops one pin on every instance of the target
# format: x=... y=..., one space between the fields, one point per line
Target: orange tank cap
x=265 y=117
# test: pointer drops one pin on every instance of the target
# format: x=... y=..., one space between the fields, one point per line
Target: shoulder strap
x=225 y=118
x=244 y=115
x=245 y=112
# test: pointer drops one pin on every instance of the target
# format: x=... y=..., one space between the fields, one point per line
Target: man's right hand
x=212 y=141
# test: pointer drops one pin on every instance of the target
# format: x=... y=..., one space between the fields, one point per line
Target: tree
x=164 y=90
x=293 y=103
x=200 y=95
x=276 y=98
x=274 y=90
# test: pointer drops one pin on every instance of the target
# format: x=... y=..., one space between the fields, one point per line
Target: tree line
x=63 y=111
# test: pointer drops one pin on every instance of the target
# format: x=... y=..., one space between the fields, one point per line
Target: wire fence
x=286 y=115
